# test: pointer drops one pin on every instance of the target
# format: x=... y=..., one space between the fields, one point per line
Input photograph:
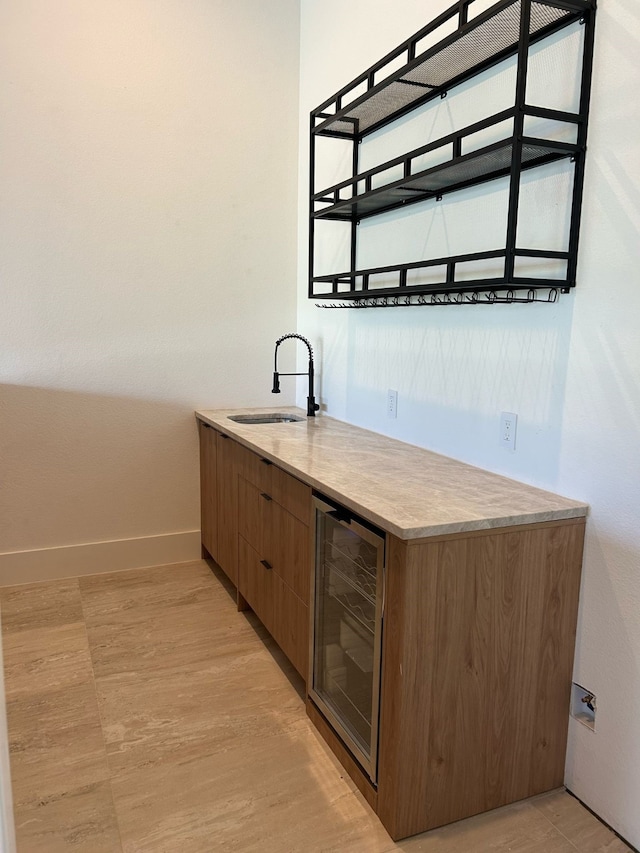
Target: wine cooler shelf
x=361 y=607
x=352 y=697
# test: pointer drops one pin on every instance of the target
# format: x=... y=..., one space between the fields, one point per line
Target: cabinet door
x=227 y=500
x=291 y=551
x=291 y=625
x=208 y=489
x=256 y=582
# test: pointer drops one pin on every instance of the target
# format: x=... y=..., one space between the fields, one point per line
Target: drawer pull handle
x=266 y=564
x=266 y=462
x=266 y=496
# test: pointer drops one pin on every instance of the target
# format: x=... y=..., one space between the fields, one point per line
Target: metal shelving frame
x=377 y=98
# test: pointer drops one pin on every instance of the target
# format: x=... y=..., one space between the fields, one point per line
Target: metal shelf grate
x=487 y=39
x=485 y=164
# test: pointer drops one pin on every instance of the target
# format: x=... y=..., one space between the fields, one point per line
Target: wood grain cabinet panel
x=256 y=583
x=279 y=539
x=208 y=489
x=292 y=494
x=227 y=505
x=290 y=549
x=219 y=465
x=255 y=469
x=291 y=625
x=255 y=518
x=478 y=644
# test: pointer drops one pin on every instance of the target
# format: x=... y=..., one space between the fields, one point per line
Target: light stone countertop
x=405 y=490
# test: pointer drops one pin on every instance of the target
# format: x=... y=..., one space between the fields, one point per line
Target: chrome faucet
x=312 y=406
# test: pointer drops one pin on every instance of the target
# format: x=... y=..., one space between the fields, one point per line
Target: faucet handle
x=312 y=407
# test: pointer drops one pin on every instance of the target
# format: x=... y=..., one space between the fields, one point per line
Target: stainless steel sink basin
x=268 y=418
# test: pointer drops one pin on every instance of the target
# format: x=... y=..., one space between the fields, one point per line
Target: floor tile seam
x=12 y=632
x=115 y=811
x=557 y=828
x=122 y=573
x=148 y=672
x=148 y=612
x=177 y=760
x=7 y=632
x=9 y=699
x=10 y=637
x=107 y=577
x=165 y=671
x=109 y=778
x=604 y=825
x=114 y=775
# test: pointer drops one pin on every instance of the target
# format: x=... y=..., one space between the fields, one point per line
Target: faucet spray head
x=276 y=383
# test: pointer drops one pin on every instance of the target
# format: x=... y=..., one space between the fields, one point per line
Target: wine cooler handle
x=340 y=515
x=384 y=589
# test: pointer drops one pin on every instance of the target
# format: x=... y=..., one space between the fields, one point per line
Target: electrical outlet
x=508 y=426
x=392 y=404
x=583 y=706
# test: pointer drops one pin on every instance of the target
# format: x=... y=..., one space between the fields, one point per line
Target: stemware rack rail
x=490 y=297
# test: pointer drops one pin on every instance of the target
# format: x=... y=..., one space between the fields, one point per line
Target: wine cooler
x=348 y=600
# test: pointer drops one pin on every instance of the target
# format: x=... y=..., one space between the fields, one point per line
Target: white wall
x=571 y=370
x=148 y=220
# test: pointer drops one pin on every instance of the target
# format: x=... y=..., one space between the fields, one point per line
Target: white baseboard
x=93 y=558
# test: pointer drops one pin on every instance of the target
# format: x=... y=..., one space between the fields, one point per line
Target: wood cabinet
x=227 y=505
x=208 y=489
x=478 y=636
x=275 y=574
x=478 y=641
x=219 y=498
x=255 y=525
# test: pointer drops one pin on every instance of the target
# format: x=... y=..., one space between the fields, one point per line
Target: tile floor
x=146 y=714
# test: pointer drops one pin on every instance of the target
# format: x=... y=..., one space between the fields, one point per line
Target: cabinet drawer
x=255 y=518
x=289 y=492
x=292 y=494
x=255 y=469
x=256 y=583
x=291 y=625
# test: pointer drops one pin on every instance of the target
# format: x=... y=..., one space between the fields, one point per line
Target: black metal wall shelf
x=460 y=171
x=475 y=45
x=385 y=92
x=359 y=284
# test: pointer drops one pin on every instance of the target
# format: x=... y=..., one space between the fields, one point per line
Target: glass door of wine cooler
x=347 y=628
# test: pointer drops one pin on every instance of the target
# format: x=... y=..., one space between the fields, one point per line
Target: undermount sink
x=268 y=418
